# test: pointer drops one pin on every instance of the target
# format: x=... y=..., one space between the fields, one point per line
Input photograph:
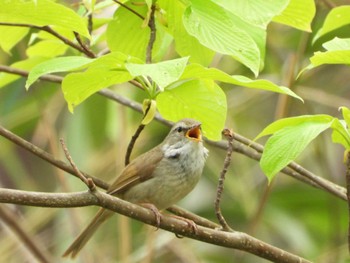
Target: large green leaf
x=77 y=87
x=257 y=12
x=224 y=32
x=127 y=33
x=298 y=14
x=337 y=18
x=47 y=48
x=55 y=65
x=163 y=73
x=199 y=99
x=101 y=73
x=185 y=44
x=42 y=13
x=198 y=71
x=289 y=140
x=10 y=36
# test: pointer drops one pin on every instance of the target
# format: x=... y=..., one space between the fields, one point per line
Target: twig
x=235 y=240
x=152 y=37
x=228 y=134
x=83 y=46
x=132 y=143
x=130 y=9
x=46 y=156
x=11 y=221
x=54 y=33
x=348 y=192
x=90 y=23
x=134 y=138
x=88 y=181
x=244 y=146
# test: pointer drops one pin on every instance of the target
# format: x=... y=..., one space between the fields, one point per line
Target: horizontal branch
x=235 y=240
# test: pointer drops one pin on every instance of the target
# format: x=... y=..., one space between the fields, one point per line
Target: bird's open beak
x=195 y=133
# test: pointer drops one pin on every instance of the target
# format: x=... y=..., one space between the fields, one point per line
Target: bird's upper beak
x=195 y=133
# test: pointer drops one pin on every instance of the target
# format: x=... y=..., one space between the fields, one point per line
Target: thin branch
x=348 y=192
x=134 y=138
x=88 y=181
x=229 y=136
x=243 y=145
x=86 y=49
x=90 y=23
x=54 y=33
x=152 y=37
x=132 y=143
x=11 y=220
x=130 y=9
x=46 y=156
x=235 y=240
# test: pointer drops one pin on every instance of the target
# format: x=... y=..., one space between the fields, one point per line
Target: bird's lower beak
x=194 y=133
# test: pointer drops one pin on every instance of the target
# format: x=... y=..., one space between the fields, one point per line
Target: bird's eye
x=179 y=129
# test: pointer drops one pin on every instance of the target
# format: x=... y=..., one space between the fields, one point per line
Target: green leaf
x=298 y=14
x=338 y=53
x=26 y=64
x=289 y=140
x=185 y=44
x=346 y=114
x=10 y=36
x=199 y=99
x=55 y=65
x=282 y=123
x=47 y=48
x=256 y=12
x=126 y=33
x=77 y=87
x=198 y=71
x=340 y=133
x=101 y=73
x=42 y=13
x=226 y=33
x=337 y=18
x=163 y=73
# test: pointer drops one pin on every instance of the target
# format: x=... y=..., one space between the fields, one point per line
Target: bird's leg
x=155 y=211
x=189 y=222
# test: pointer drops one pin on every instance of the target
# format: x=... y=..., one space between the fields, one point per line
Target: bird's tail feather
x=101 y=216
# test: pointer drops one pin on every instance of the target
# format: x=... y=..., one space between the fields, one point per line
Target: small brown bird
x=160 y=177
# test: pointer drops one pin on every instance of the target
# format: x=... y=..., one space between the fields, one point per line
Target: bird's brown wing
x=139 y=170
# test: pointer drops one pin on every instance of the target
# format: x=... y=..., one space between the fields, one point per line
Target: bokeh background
x=287 y=213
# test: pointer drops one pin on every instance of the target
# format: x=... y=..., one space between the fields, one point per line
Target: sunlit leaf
x=185 y=44
x=341 y=133
x=202 y=100
x=10 y=36
x=163 y=73
x=289 y=140
x=298 y=14
x=226 y=33
x=257 y=12
x=55 y=65
x=337 y=18
x=42 y=13
x=77 y=87
x=198 y=71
